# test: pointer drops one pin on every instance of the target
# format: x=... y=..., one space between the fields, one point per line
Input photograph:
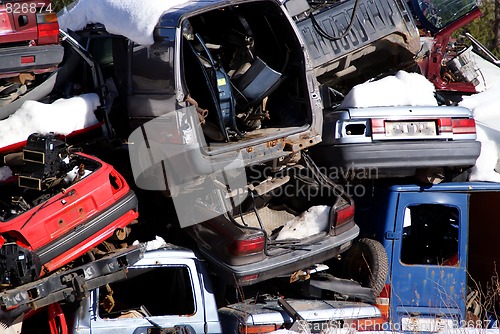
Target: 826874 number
x=27 y=8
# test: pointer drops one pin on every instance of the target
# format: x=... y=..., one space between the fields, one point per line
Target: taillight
x=48 y=28
x=246 y=280
x=378 y=126
x=464 y=126
x=247 y=246
x=457 y=125
x=246 y=329
x=383 y=300
x=116 y=182
x=27 y=59
x=344 y=215
x=444 y=125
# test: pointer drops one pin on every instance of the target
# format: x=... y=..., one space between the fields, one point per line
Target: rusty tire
x=366 y=262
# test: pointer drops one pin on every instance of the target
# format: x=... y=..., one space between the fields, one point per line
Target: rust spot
x=249 y=149
x=272 y=143
x=61 y=221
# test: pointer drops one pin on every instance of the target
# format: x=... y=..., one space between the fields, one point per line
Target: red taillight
x=48 y=28
x=245 y=329
x=247 y=246
x=457 y=125
x=27 y=59
x=445 y=125
x=378 y=126
x=344 y=215
x=464 y=126
x=245 y=280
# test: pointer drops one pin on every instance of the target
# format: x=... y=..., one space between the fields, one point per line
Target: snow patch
x=62 y=116
x=486 y=109
x=133 y=19
x=312 y=221
x=484 y=169
x=157 y=243
x=485 y=106
x=402 y=89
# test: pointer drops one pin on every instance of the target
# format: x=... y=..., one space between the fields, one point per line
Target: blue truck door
x=428 y=281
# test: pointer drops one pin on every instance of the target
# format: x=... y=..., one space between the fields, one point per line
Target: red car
x=29 y=37
x=29 y=47
x=446 y=64
x=59 y=205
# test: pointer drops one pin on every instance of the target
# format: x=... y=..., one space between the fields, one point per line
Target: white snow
x=402 y=89
x=157 y=243
x=131 y=18
x=484 y=169
x=62 y=116
x=486 y=109
x=312 y=221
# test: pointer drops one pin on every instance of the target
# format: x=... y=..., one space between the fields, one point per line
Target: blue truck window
x=430 y=235
x=136 y=296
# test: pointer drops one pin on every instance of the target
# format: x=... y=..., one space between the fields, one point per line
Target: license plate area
x=422 y=324
x=410 y=128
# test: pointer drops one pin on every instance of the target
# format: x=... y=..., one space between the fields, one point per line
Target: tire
x=366 y=262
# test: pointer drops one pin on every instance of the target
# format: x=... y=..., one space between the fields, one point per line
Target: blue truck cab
x=437 y=248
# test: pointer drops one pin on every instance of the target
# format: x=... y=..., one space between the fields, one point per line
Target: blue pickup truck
x=441 y=245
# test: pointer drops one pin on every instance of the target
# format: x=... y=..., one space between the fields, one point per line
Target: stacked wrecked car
x=234 y=114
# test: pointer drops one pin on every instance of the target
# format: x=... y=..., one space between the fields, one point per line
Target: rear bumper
x=284 y=264
x=398 y=155
x=89 y=234
x=43 y=57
